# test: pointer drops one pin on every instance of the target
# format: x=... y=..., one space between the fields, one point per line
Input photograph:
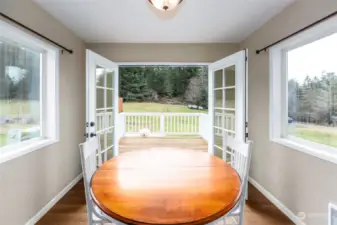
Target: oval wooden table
x=165 y=187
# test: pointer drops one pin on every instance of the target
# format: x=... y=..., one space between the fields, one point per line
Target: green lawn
x=157 y=107
x=17 y=108
x=319 y=134
x=2 y=139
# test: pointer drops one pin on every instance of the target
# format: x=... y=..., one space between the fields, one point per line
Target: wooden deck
x=182 y=142
x=71 y=209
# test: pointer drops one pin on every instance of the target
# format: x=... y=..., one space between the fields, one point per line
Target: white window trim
x=49 y=94
x=278 y=108
x=331 y=207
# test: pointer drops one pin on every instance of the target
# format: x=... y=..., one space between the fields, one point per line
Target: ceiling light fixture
x=165 y=5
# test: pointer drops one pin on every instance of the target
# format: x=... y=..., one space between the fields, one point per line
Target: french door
x=227 y=102
x=102 y=102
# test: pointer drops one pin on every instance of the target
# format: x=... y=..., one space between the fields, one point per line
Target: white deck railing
x=162 y=124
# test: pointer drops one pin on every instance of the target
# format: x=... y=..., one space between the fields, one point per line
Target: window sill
x=23 y=148
x=318 y=150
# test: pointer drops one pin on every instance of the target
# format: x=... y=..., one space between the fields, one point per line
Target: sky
x=313 y=58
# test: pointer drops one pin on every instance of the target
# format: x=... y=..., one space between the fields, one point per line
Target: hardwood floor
x=71 y=209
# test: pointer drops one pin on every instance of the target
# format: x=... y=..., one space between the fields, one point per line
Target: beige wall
x=301 y=182
x=164 y=52
x=29 y=182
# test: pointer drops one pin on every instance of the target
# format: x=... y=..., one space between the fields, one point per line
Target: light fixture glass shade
x=165 y=5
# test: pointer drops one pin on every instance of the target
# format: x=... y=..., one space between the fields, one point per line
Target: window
x=28 y=99
x=303 y=107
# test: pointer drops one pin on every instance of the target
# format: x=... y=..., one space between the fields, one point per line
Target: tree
x=313 y=100
x=193 y=93
x=134 y=84
x=153 y=83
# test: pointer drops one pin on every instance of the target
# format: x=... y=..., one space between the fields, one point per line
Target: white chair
x=91 y=160
x=240 y=161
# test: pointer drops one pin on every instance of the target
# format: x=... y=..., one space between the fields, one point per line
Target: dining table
x=165 y=186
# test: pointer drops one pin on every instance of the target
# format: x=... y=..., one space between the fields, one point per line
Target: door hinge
x=246 y=135
x=246 y=124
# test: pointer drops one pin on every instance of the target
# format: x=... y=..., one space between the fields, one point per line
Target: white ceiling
x=136 y=21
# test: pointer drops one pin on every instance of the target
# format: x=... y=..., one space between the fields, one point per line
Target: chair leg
x=241 y=213
x=246 y=194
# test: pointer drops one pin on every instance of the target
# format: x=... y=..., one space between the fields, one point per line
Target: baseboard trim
x=50 y=204
x=276 y=202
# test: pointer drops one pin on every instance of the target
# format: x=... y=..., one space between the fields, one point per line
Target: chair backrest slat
x=240 y=157
x=90 y=158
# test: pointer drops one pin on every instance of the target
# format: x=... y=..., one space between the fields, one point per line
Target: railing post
x=123 y=124
x=162 y=124
x=201 y=123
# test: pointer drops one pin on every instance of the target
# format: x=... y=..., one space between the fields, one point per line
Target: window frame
x=278 y=90
x=49 y=93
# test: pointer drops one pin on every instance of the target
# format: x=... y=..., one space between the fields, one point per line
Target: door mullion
x=223 y=118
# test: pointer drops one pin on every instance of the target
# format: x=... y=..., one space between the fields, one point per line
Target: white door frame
x=92 y=60
x=163 y=64
x=239 y=61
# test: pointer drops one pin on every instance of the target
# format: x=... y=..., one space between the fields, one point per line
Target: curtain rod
x=37 y=33
x=297 y=32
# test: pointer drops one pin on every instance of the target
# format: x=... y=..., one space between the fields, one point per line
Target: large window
x=28 y=100
x=304 y=91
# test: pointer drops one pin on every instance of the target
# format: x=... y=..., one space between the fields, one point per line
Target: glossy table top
x=165 y=187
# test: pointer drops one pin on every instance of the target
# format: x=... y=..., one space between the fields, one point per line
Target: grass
x=3 y=138
x=17 y=108
x=315 y=133
x=157 y=107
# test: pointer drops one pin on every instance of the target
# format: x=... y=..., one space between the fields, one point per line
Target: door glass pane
x=109 y=141
x=101 y=140
x=229 y=121
x=218 y=152
x=100 y=76
x=218 y=118
x=109 y=98
x=100 y=120
x=218 y=136
x=218 y=98
x=230 y=76
x=109 y=118
x=100 y=98
x=218 y=78
x=228 y=151
x=109 y=138
x=110 y=79
x=230 y=98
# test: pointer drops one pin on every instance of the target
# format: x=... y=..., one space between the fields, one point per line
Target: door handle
x=93 y=135
x=91 y=124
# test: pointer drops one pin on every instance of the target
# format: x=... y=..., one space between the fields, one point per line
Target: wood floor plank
x=71 y=209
